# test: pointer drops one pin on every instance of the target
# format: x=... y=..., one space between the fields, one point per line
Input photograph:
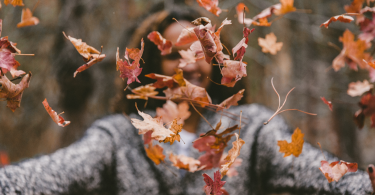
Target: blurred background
x=304 y=62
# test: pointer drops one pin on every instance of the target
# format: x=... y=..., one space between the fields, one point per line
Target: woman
x=110 y=158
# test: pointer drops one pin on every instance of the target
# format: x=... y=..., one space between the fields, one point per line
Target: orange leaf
x=55 y=117
x=184 y=162
x=294 y=147
x=233 y=153
x=14 y=2
x=262 y=22
x=165 y=46
x=341 y=18
x=232 y=100
x=175 y=128
x=143 y=92
x=27 y=19
x=269 y=44
x=286 y=7
x=354 y=7
x=328 y=103
x=171 y=111
x=155 y=153
x=187 y=36
x=13 y=92
x=210 y=5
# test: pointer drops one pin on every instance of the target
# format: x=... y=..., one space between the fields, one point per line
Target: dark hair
x=159 y=21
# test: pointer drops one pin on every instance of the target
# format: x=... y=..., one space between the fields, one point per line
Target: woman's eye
x=172 y=56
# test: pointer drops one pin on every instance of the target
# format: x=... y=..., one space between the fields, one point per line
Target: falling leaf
x=353 y=53
x=55 y=117
x=233 y=153
x=207 y=42
x=186 y=36
x=341 y=18
x=164 y=45
x=159 y=133
x=143 y=92
x=161 y=80
x=213 y=187
x=187 y=57
x=329 y=103
x=232 y=72
x=262 y=22
x=4 y=159
x=367 y=105
x=175 y=128
x=232 y=170
x=232 y=100
x=155 y=153
x=210 y=5
x=128 y=70
x=269 y=44
x=337 y=169
x=14 y=2
x=9 y=63
x=27 y=19
x=240 y=8
x=89 y=54
x=147 y=139
x=358 y=88
x=286 y=7
x=354 y=7
x=240 y=49
x=13 y=92
x=371 y=64
x=171 y=110
x=294 y=147
x=201 y=21
x=184 y=162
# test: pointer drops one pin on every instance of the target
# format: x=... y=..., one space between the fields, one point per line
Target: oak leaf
x=27 y=19
x=11 y=92
x=55 y=117
x=184 y=162
x=233 y=153
x=14 y=2
x=213 y=187
x=294 y=147
x=143 y=92
x=358 y=88
x=341 y=18
x=171 y=110
x=90 y=55
x=269 y=44
x=337 y=169
x=155 y=153
x=164 y=45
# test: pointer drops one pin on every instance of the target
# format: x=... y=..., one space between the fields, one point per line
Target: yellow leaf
x=295 y=147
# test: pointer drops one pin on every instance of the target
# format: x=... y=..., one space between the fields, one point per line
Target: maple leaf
x=232 y=100
x=184 y=162
x=89 y=54
x=294 y=147
x=159 y=132
x=161 y=80
x=147 y=139
x=155 y=153
x=232 y=72
x=27 y=19
x=175 y=128
x=286 y=7
x=262 y=22
x=165 y=46
x=213 y=187
x=337 y=169
x=341 y=18
x=329 y=103
x=55 y=117
x=171 y=110
x=127 y=70
x=187 y=57
x=210 y=5
x=367 y=105
x=353 y=53
x=269 y=44
x=240 y=8
x=8 y=63
x=186 y=36
x=13 y=92
x=232 y=170
x=14 y=2
x=233 y=153
x=240 y=49
x=358 y=88
x=207 y=42
x=143 y=92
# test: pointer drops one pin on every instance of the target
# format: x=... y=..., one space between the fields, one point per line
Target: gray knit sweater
x=110 y=159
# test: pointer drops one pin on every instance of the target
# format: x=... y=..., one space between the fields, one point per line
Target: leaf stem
x=202 y=116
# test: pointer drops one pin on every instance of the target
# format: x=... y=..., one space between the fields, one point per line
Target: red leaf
x=187 y=36
x=329 y=103
x=128 y=70
x=213 y=187
x=165 y=46
x=337 y=169
x=232 y=72
x=55 y=117
x=240 y=49
x=13 y=92
x=210 y=5
x=207 y=41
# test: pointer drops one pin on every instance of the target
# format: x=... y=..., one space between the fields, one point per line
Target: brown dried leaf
x=233 y=153
x=269 y=44
x=13 y=92
x=184 y=162
x=294 y=147
x=143 y=92
x=155 y=153
x=27 y=19
x=55 y=117
x=358 y=88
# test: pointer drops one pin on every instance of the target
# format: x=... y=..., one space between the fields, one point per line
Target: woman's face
x=196 y=73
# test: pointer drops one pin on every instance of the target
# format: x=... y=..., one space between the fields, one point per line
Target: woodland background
x=304 y=62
